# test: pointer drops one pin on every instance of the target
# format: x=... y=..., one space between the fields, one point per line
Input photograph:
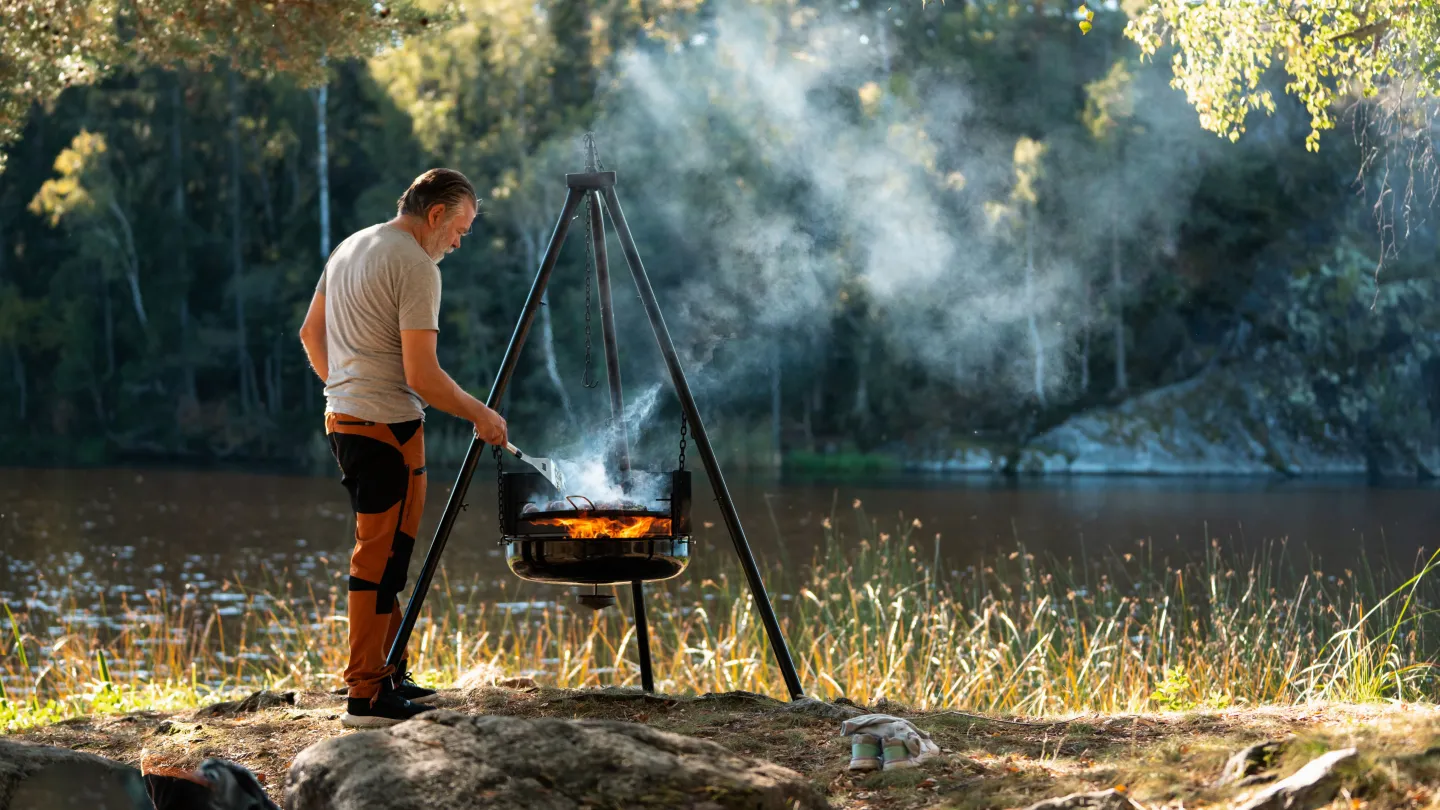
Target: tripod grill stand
x=592 y=186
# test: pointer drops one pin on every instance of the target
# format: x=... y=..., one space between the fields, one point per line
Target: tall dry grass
x=871 y=614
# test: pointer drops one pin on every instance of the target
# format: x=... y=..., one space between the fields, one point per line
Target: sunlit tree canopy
x=49 y=45
x=1388 y=50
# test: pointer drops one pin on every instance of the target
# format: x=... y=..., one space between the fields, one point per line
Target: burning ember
x=637 y=526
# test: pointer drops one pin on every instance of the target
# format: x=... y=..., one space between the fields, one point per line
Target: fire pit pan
x=545 y=553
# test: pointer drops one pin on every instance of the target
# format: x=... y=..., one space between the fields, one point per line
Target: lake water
x=113 y=531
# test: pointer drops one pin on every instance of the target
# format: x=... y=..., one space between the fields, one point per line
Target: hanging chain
x=682 y=440
x=589 y=263
x=499 y=489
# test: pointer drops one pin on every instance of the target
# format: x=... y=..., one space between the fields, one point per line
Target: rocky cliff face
x=1214 y=424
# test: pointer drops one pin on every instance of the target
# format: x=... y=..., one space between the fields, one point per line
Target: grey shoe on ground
x=897 y=756
x=864 y=752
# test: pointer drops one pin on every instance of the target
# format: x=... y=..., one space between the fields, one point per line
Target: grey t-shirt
x=376 y=283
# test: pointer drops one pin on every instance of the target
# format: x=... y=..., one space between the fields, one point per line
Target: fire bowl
x=590 y=545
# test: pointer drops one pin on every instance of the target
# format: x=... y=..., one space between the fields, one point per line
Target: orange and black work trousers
x=383 y=468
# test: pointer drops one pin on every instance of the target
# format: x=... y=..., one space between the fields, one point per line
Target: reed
x=871 y=615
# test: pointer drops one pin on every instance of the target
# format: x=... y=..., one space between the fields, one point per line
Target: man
x=370 y=335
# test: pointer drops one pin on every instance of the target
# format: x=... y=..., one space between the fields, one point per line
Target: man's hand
x=490 y=426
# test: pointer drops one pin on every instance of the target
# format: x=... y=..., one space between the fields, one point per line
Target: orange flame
x=638 y=526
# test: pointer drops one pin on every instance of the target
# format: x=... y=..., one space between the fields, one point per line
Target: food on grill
x=584 y=504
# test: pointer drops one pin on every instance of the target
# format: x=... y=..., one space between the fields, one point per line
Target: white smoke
x=777 y=152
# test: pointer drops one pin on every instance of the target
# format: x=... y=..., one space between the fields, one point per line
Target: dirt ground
x=1161 y=761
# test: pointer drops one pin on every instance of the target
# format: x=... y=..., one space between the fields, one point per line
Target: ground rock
x=443 y=760
x=257 y=701
x=40 y=776
x=1101 y=800
x=608 y=695
x=1311 y=786
x=815 y=707
x=1249 y=762
x=738 y=698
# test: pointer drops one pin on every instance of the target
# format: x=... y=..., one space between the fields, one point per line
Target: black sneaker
x=388 y=709
x=406 y=688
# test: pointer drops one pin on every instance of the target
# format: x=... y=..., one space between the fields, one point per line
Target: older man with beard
x=370 y=335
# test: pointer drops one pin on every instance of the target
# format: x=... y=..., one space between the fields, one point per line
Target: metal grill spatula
x=545 y=466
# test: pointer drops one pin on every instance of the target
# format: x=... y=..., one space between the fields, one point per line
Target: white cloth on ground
x=889 y=727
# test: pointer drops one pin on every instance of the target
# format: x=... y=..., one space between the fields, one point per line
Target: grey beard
x=435 y=247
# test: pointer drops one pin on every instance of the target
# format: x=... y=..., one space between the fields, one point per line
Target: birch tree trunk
x=279 y=352
x=1035 y=342
x=17 y=363
x=861 y=407
x=132 y=263
x=322 y=171
x=322 y=163
x=267 y=206
x=179 y=237
x=237 y=267
x=1117 y=289
x=109 y=324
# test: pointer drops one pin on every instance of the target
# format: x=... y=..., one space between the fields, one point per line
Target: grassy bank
x=869 y=616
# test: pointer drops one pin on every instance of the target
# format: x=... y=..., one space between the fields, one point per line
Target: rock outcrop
x=257 y=701
x=443 y=760
x=34 y=776
x=1313 y=785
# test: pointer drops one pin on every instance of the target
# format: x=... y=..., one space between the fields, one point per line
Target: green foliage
x=1172 y=692
x=49 y=45
x=1353 y=353
x=1330 y=52
x=840 y=463
x=1110 y=103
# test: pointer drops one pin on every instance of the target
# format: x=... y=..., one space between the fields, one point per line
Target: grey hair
x=436 y=187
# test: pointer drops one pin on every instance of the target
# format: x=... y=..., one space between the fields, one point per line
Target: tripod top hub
x=591 y=181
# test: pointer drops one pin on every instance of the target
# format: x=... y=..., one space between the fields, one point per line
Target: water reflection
x=73 y=539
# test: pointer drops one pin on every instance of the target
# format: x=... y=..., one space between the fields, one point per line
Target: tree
x=1021 y=211
x=49 y=45
x=1330 y=52
x=1109 y=106
x=1378 y=58
x=1355 y=357
x=87 y=197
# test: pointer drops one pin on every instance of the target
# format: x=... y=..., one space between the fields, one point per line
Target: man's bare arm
x=424 y=375
x=312 y=337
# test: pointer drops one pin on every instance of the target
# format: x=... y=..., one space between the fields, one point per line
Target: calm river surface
x=113 y=531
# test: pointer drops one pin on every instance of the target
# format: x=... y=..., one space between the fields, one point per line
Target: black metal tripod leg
x=642 y=636
x=707 y=453
x=607 y=336
x=472 y=456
